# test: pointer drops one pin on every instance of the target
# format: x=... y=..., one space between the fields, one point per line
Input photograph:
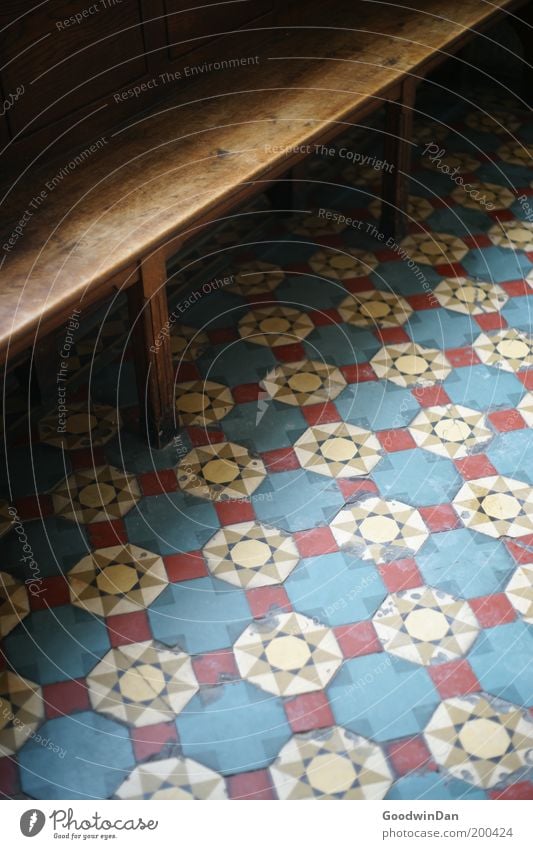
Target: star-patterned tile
x=303 y=383
x=407 y=364
x=374 y=308
x=376 y=528
x=507 y=349
x=451 y=430
x=519 y=591
x=418 y=208
x=288 y=655
x=116 y=580
x=82 y=426
x=202 y=402
x=460 y=163
x=275 y=325
x=426 y=130
x=172 y=778
x=251 y=554
x=21 y=711
x=425 y=626
x=95 y=495
x=480 y=741
x=220 y=471
x=470 y=297
x=525 y=408
x=497 y=121
x=338 y=450
x=187 y=343
x=14 y=603
x=6 y=518
x=430 y=248
x=343 y=265
x=496 y=506
x=331 y=764
x=314 y=225
x=142 y=684
x=364 y=176
x=515 y=235
x=479 y=194
x=516 y=153
x=256 y=278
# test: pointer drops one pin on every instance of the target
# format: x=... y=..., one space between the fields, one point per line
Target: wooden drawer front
x=51 y=58
x=190 y=30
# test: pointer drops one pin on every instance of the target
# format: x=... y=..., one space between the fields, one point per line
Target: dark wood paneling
x=189 y=30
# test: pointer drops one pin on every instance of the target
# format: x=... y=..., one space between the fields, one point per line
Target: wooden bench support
x=148 y=313
x=397 y=151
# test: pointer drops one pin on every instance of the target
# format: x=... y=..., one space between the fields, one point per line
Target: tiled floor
x=323 y=588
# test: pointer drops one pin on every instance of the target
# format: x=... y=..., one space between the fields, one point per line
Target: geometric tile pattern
x=220 y=471
x=6 y=519
x=256 y=278
x=499 y=196
x=187 y=343
x=338 y=450
x=382 y=309
x=374 y=527
x=173 y=778
x=450 y=431
x=304 y=383
x=142 y=684
x=95 y=495
x=496 y=506
x=251 y=554
x=21 y=711
x=14 y=603
x=456 y=163
x=525 y=408
x=507 y=349
x=273 y=326
x=288 y=656
x=515 y=235
x=425 y=626
x=434 y=248
x=116 y=580
x=478 y=740
x=469 y=297
x=407 y=364
x=81 y=427
x=497 y=121
x=343 y=266
x=203 y=403
x=331 y=764
x=516 y=153
x=519 y=591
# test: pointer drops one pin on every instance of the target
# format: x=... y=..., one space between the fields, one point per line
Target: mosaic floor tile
x=373 y=527
x=479 y=741
x=220 y=471
x=173 y=778
x=21 y=711
x=501 y=661
x=95 y=495
x=418 y=208
x=142 y=684
x=187 y=343
x=496 y=506
x=469 y=296
x=256 y=278
x=463 y=162
x=515 y=235
x=303 y=383
x=314 y=225
x=362 y=175
x=343 y=265
x=516 y=153
x=6 y=519
x=14 y=603
x=250 y=554
x=519 y=591
x=338 y=450
x=273 y=326
x=408 y=364
x=81 y=427
x=289 y=655
x=507 y=349
x=202 y=402
x=375 y=308
x=450 y=430
x=331 y=764
x=426 y=130
x=498 y=121
x=434 y=248
x=479 y=194
x=116 y=580
x=425 y=626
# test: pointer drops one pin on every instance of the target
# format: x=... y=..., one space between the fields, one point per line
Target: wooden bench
x=116 y=219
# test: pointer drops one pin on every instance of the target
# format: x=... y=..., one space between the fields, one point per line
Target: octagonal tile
x=508 y=349
x=82 y=426
x=374 y=308
x=95 y=495
x=458 y=162
x=220 y=471
x=352 y=262
x=470 y=297
x=516 y=235
x=202 y=402
x=407 y=364
x=21 y=711
x=516 y=153
x=519 y=591
x=187 y=343
x=450 y=430
x=275 y=325
x=14 y=603
x=250 y=554
x=338 y=450
x=434 y=248
x=378 y=529
x=496 y=506
x=256 y=277
x=303 y=383
x=483 y=195
x=172 y=778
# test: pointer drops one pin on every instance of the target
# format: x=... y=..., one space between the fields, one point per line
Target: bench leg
x=148 y=313
x=398 y=135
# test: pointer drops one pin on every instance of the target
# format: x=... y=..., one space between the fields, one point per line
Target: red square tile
x=502 y=215
x=9 y=778
x=185 y=567
x=516 y=288
x=280 y=460
x=358 y=373
x=251 y=785
x=316 y=414
x=431 y=396
x=506 y=420
x=349 y=488
x=87 y=458
x=151 y=739
x=34 y=506
x=48 y=592
x=459 y=357
x=308 y=712
x=422 y=302
x=477 y=241
x=65 y=697
x=521 y=791
x=451 y=269
x=128 y=628
x=400 y=575
x=357 y=639
x=410 y=755
x=315 y=541
x=230 y=512
x=202 y=436
x=324 y=317
x=104 y=534
x=492 y=610
x=387 y=255
x=519 y=552
x=440 y=517
x=219 y=335
x=154 y=483
x=216 y=667
x=490 y=321
x=456 y=678
x=265 y=600
x=187 y=371
x=476 y=466
x=526 y=377
x=396 y=440
x=358 y=284
x=246 y=393
x=289 y=353
x=392 y=336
